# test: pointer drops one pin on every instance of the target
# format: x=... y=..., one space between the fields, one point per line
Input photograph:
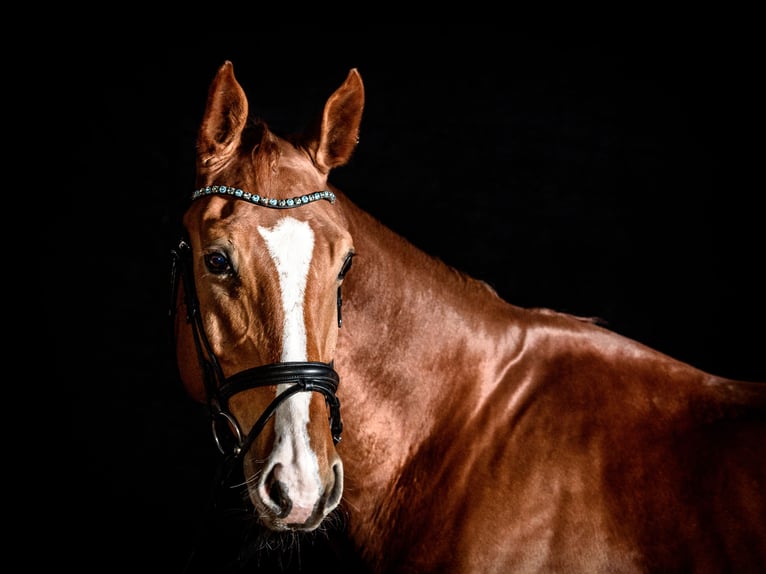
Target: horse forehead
x=247 y=227
x=289 y=238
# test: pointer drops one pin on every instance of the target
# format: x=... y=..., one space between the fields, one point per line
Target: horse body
x=513 y=440
x=478 y=436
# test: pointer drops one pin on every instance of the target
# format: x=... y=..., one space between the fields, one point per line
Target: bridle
x=308 y=376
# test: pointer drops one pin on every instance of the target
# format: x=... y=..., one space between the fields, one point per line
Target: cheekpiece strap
x=264 y=201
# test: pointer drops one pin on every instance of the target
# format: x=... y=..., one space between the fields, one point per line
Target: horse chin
x=277 y=524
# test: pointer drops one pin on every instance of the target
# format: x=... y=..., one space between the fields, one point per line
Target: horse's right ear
x=224 y=119
x=338 y=131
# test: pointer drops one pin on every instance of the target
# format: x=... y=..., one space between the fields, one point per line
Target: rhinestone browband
x=265 y=201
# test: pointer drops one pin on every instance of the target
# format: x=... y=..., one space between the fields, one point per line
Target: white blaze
x=291 y=243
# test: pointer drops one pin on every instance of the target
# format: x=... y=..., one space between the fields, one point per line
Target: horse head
x=262 y=260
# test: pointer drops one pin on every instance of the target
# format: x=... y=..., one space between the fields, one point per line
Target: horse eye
x=217 y=263
x=346 y=266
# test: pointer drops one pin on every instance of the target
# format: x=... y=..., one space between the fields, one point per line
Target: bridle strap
x=212 y=374
x=308 y=376
x=309 y=373
x=304 y=376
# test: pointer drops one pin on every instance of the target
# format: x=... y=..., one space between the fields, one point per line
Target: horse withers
x=446 y=429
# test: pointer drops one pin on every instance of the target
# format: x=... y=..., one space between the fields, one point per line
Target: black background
x=611 y=173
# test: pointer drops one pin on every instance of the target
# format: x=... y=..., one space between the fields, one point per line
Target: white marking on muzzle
x=291 y=244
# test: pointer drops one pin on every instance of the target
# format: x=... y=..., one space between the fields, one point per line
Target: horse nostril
x=277 y=493
x=337 y=488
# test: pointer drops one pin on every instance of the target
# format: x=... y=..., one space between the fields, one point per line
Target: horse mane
x=593 y=320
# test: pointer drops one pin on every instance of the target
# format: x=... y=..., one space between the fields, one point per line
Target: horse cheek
x=187 y=360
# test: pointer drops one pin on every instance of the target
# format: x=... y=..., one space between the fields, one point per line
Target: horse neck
x=410 y=324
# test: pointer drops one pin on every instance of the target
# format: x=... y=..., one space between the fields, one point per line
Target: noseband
x=309 y=376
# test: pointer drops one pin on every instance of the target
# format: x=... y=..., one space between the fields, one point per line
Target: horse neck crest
x=264 y=201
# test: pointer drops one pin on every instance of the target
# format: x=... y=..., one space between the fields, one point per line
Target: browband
x=260 y=200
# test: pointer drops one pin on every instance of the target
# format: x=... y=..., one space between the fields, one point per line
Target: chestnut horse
x=477 y=436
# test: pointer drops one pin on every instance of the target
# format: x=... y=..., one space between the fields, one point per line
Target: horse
x=356 y=382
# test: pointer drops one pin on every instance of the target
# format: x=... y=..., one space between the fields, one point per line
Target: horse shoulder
x=596 y=446
x=590 y=447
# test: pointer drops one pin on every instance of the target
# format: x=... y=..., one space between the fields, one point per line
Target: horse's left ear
x=339 y=128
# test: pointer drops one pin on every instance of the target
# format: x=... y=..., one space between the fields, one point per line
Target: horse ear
x=224 y=118
x=338 y=131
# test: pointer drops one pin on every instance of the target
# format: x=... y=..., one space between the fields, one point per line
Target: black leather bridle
x=308 y=376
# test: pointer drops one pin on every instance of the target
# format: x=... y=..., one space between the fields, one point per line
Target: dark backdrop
x=612 y=175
